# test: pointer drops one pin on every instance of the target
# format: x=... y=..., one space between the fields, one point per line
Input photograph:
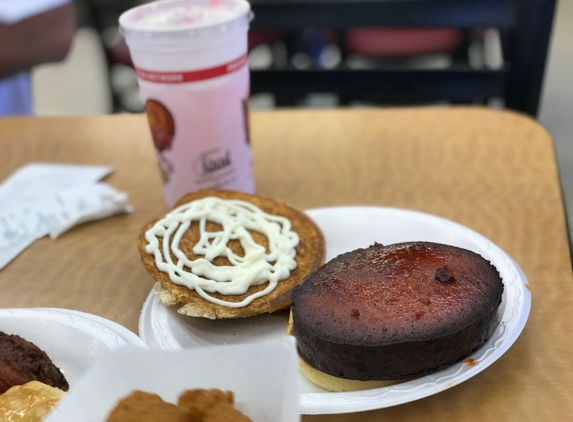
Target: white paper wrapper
x=262 y=376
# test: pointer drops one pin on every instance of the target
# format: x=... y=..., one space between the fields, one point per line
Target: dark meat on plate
x=22 y=361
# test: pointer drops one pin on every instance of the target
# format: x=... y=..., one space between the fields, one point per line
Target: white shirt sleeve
x=13 y=11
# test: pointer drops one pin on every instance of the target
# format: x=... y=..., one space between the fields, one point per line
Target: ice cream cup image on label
x=161 y=124
x=191 y=61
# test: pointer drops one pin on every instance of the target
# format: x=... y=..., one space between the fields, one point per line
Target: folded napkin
x=41 y=199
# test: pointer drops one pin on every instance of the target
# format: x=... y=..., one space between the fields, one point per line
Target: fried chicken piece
x=224 y=412
x=140 y=406
x=22 y=361
x=211 y=405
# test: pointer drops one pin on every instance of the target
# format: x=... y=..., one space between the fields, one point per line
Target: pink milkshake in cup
x=190 y=57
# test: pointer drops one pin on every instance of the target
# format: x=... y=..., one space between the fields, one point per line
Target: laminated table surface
x=492 y=171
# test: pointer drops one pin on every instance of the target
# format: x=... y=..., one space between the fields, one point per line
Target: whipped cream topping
x=236 y=217
x=183 y=15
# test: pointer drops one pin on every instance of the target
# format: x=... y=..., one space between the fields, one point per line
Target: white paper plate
x=346 y=229
x=72 y=339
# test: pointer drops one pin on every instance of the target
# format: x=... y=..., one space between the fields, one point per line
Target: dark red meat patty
x=395 y=312
x=22 y=361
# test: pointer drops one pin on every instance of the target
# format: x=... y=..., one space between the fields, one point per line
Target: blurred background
x=356 y=53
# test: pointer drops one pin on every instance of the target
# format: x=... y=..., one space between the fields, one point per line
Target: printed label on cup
x=193 y=75
x=199 y=124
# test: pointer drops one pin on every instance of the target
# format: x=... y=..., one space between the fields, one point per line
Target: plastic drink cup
x=190 y=57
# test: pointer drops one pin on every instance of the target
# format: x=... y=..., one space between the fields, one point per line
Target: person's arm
x=40 y=39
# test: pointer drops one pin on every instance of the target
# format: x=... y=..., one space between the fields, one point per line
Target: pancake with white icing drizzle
x=236 y=218
x=222 y=254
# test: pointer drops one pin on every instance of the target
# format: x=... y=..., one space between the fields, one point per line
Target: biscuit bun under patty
x=310 y=254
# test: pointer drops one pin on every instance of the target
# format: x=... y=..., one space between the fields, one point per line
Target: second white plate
x=346 y=229
x=73 y=340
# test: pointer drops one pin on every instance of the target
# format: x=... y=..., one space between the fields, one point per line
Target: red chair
x=401 y=42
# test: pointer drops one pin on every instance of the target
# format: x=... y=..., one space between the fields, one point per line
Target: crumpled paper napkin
x=42 y=199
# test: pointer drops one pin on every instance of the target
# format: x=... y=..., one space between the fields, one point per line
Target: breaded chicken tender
x=140 y=406
x=201 y=405
x=211 y=405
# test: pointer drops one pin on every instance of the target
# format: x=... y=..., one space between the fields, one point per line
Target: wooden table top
x=492 y=171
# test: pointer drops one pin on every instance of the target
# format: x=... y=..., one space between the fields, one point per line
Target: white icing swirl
x=236 y=217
